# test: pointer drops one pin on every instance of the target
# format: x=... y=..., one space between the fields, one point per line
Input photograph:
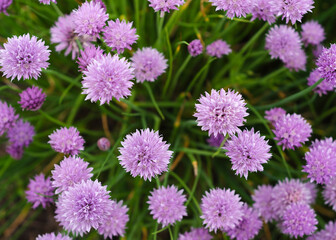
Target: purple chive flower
x=165 y=5
x=148 y=64
x=67 y=141
x=262 y=197
x=40 y=191
x=23 y=57
x=64 y=36
x=262 y=9
x=4 y=4
x=119 y=35
x=103 y=144
x=32 y=98
x=221 y=112
x=292 y=10
x=321 y=161
x=166 y=204
x=52 y=236
x=221 y=209
x=329 y=232
x=329 y=193
x=195 y=47
x=87 y=55
x=7 y=117
x=247 y=151
x=70 y=171
x=274 y=114
x=14 y=151
x=83 y=206
x=115 y=224
x=296 y=60
x=299 y=220
x=233 y=8
x=144 y=154
x=47 y=1
x=291 y=131
x=196 y=234
x=326 y=64
x=312 y=33
x=21 y=134
x=89 y=19
x=218 y=49
x=248 y=227
x=324 y=87
x=216 y=141
x=108 y=77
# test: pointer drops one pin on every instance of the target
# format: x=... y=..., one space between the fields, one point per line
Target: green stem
x=221 y=145
x=170 y=233
x=167 y=84
x=59 y=12
x=79 y=44
x=52 y=119
x=153 y=100
x=178 y=73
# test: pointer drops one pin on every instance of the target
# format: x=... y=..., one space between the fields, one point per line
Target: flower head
x=312 y=33
x=221 y=209
x=233 y=8
x=262 y=9
x=262 y=197
x=14 y=151
x=47 y=1
x=67 y=141
x=166 y=204
x=52 y=236
x=295 y=60
x=103 y=144
x=195 y=47
x=144 y=154
x=107 y=77
x=4 y=4
x=32 y=98
x=326 y=64
x=165 y=5
x=148 y=64
x=21 y=134
x=221 y=112
x=218 y=48
x=274 y=114
x=215 y=141
x=87 y=56
x=7 y=117
x=196 y=234
x=324 y=87
x=23 y=57
x=329 y=193
x=40 y=191
x=329 y=232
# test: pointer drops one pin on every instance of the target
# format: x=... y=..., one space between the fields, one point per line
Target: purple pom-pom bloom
x=7 y=117
x=329 y=232
x=32 y=98
x=196 y=234
x=83 y=206
x=195 y=47
x=215 y=141
x=324 y=87
x=67 y=141
x=262 y=198
x=248 y=227
x=247 y=151
x=52 y=236
x=47 y=1
x=4 y=4
x=222 y=209
x=233 y=8
x=115 y=224
x=166 y=204
x=274 y=114
x=218 y=48
x=14 y=151
x=295 y=60
x=262 y=9
x=64 y=36
x=148 y=64
x=103 y=144
x=329 y=193
x=291 y=131
x=21 y=134
x=144 y=154
x=221 y=112
x=119 y=35
x=70 y=171
x=40 y=191
x=107 y=77
x=298 y=220
x=23 y=57
x=165 y=5
x=326 y=64
x=89 y=19
x=312 y=33
x=87 y=55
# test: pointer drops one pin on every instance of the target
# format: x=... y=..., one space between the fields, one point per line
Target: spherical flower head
x=292 y=10
x=326 y=64
x=196 y=234
x=47 y=2
x=24 y=57
x=218 y=49
x=116 y=222
x=32 y=98
x=119 y=35
x=52 y=236
x=221 y=209
x=299 y=220
x=274 y=114
x=4 y=5
x=144 y=154
x=288 y=192
x=329 y=193
x=262 y=197
x=40 y=191
x=7 y=117
x=83 y=206
x=221 y=112
x=62 y=34
x=312 y=33
x=21 y=134
x=215 y=141
x=195 y=47
x=248 y=227
x=233 y=8
x=70 y=171
x=67 y=141
x=165 y=5
x=247 y=151
x=87 y=55
x=329 y=232
x=295 y=60
x=324 y=87
x=291 y=131
x=166 y=204
x=108 y=77
x=148 y=64
x=14 y=151
x=103 y=144
x=262 y=9
x=89 y=19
